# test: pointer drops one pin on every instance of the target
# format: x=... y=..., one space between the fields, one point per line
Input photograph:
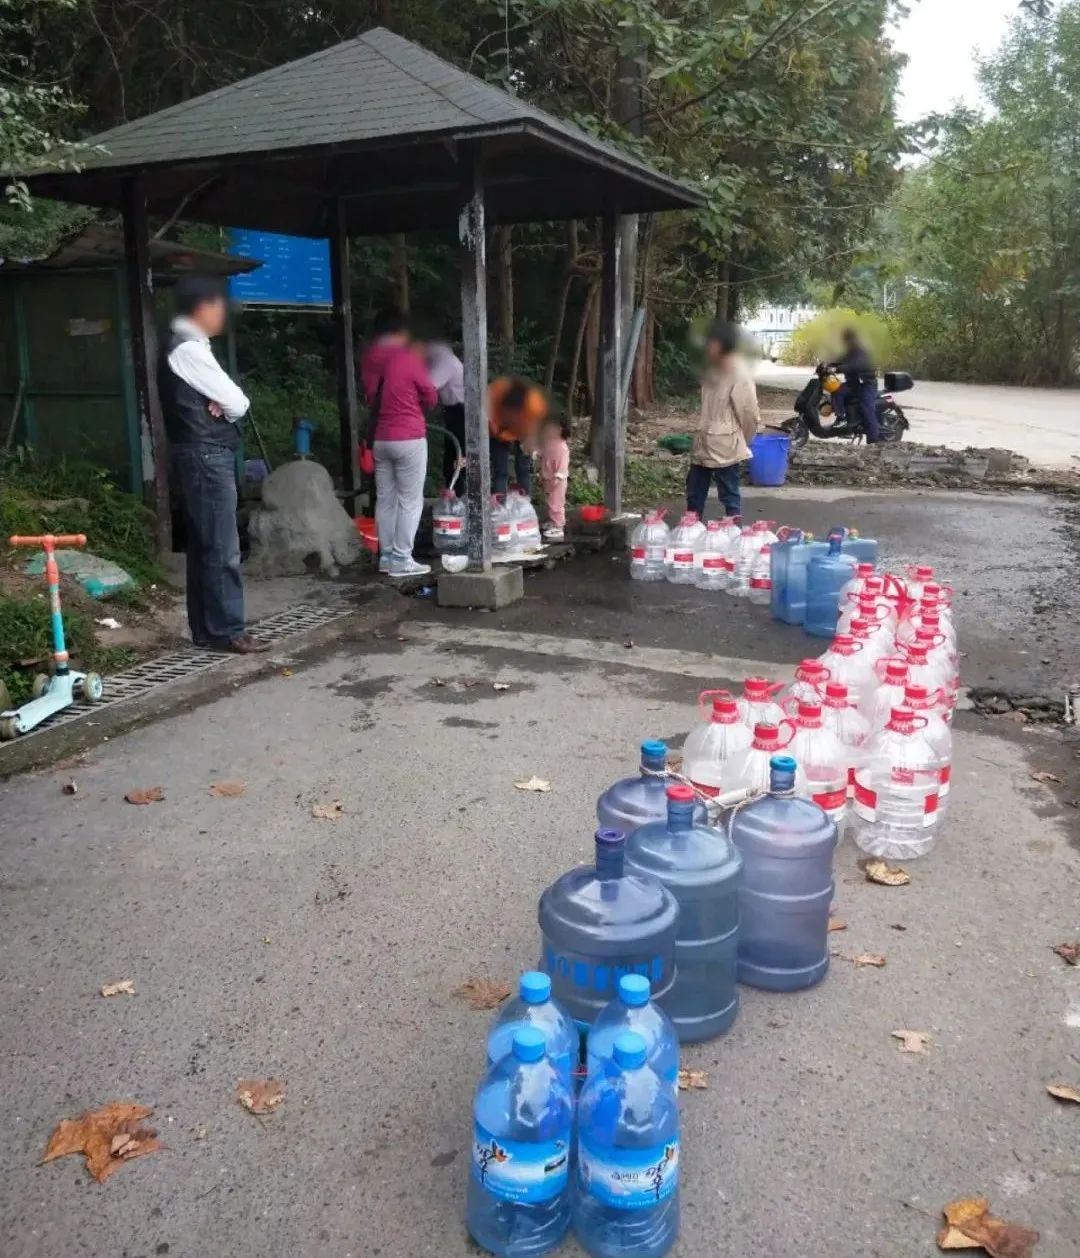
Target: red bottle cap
x=680 y=794
x=836 y=694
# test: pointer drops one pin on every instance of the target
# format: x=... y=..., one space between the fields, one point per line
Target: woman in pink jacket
x=555 y=474
x=398 y=391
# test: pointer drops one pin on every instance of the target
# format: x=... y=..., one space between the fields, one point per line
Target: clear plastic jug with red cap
x=935 y=674
x=928 y=617
x=502 y=525
x=743 y=554
x=871 y=605
x=710 y=558
x=708 y=747
x=851 y=664
x=938 y=654
x=682 y=547
x=809 y=685
x=895 y=810
x=876 y=638
x=840 y=715
x=648 y=548
x=749 y=769
x=823 y=762
x=916 y=578
x=856 y=585
x=877 y=704
x=448 y=524
x=760 y=591
x=937 y=732
x=757 y=703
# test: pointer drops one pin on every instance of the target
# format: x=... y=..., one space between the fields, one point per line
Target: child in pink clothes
x=554 y=474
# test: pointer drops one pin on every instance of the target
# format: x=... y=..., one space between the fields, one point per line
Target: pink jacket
x=406 y=390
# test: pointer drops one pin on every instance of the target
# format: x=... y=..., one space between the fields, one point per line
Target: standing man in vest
x=202 y=408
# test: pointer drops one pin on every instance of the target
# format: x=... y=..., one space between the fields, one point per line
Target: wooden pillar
x=344 y=350
x=474 y=356
x=609 y=367
x=144 y=356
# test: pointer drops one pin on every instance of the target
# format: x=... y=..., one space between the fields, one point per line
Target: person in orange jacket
x=516 y=410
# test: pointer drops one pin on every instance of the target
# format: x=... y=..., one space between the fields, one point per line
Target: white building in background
x=771 y=327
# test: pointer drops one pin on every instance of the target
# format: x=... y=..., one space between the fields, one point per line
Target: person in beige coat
x=728 y=423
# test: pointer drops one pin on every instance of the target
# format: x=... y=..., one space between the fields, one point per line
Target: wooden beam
x=608 y=387
x=144 y=355
x=474 y=356
x=344 y=350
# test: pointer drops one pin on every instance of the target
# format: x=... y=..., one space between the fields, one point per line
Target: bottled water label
x=447 y=526
x=713 y=563
x=629 y=1179
x=528 y=532
x=946 y=780
x=682 y=560
x=638 y=554
x=515 y=1170
x=761 y=583
x=832 y=801
x=865 y=802
x=502 y=532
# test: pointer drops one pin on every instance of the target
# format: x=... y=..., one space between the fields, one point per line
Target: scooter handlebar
x=49 y=540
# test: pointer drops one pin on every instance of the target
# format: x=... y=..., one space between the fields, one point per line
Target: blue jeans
x=698 y=481
x=866 y=395
x=500 y=466
x=205 y=476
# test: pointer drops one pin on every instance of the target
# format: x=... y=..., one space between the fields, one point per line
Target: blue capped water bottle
x=535 y=1008
x=632 y=1010
x=518 y=1203
x=633 y=801
x=626 y=1191
x=826 y=576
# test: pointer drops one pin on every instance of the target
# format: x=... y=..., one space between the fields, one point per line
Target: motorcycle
x=814 y=405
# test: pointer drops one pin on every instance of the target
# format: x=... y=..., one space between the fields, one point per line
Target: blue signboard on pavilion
x=295 y=270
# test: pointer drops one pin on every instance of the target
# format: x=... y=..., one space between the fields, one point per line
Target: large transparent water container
x=851 y=664
x=448 y=524
x=822 y=762
x=633 y=1009
x=648 y=549
x=518 y=1198
x=761 y=578
x=633 y=801
x=808 y=686
x=682 y=548
x=534 y=1007
x=711 y=565
x=843 y=717
x=790 y=560
x=600 y=922
x=526 y=521
x=938 y=733
x=758 y=704
x=877 y=704
x=709 y=746
x=787 y=847
x=625 y=1196
x=895 y=809
x=701 y=868
x=872 y=603
x=826 y=576
x=502 y=526
x=750 y=769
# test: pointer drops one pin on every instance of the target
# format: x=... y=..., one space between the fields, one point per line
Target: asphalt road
x=266 y=943
x=1041 y=424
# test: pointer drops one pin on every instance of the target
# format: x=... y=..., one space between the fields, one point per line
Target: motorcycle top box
x=898 y=382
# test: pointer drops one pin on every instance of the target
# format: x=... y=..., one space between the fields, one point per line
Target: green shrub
x=819 y=340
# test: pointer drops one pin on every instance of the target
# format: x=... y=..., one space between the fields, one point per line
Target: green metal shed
x=67 y=386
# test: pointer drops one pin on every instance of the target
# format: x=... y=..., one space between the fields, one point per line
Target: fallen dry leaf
x=674 y=764
x=438 y=681
x=69 y=788
x=1046 y=778
x=1069 y=952
x=286 y=672
x=534 y=784
x=870 y=958
x=912 y=1041
x=328 y=811
x=227 y=790
x=836 y=923
x=969 y=1225
x=108 y=1137
x=152 y=795
x=885 y=874
x=483 y=993
x=898 y=926
x=1064 y=1092
x=260 y=1096
x=692 y=1079
x=500 y=685
x=126 y=987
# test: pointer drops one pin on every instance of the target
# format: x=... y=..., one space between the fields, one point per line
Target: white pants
x=400 y=469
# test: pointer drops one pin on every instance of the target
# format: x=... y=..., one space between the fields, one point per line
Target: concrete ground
x=263 y=942
x=1040 y=424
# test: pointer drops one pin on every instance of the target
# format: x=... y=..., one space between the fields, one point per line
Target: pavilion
x=370 y=136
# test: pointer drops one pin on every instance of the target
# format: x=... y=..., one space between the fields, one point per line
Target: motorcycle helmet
x=831 y=383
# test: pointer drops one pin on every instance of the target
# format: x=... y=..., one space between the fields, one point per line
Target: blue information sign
x=295 y=270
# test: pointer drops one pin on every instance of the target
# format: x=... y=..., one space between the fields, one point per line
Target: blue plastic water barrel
x=769 y=458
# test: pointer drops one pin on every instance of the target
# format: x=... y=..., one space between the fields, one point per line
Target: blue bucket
x=769 y=458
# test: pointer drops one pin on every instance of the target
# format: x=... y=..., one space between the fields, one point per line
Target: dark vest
x=187 y=413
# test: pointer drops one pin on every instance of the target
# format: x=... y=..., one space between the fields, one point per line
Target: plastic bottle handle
x=939 y=639
x=711 y=694
x=773 y=688
x=785 y=532
x=792 y=726
x=881 y=666
x=786 y=705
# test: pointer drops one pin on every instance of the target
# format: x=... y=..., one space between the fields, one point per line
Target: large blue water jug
x=861 y=549
x=626 y=1192
x=535 y=1008
x=597 y=924
x=790 y=559
x=633 y=1010
x=787 y=847
x=826 y=576
x=518 y=1201
x=633 y=801
x=701 y=868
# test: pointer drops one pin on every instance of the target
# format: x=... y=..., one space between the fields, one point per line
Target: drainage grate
x=187 y=662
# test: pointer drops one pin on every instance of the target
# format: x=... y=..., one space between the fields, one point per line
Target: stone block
x=498 y=588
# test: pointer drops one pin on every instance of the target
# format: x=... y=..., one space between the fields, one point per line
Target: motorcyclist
x=860 y=384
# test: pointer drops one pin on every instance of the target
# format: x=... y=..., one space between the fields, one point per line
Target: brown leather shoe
x=245 y=644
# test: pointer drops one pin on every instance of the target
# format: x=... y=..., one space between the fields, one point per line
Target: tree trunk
x=629 y=109
x=579 y=341
x=504 y=287
x=723 y=292
x=400 y=269
x=642 y=382
x=563 y=300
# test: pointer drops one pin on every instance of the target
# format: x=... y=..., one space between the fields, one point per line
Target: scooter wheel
x=7 y=729
x=92 y=687
x=41 y=684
